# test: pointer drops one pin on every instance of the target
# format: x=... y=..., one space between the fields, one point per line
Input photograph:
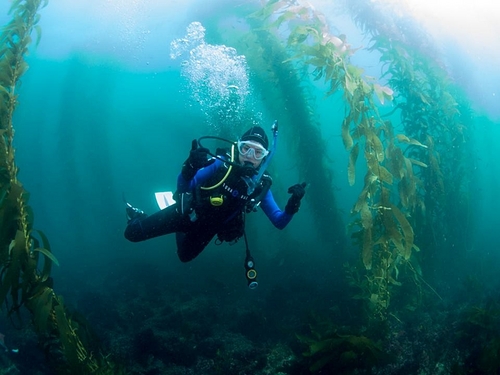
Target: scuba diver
x=214 y=194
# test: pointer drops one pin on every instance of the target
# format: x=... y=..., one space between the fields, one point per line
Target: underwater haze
x=116 y=91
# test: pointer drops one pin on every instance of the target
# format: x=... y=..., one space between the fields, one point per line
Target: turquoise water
x=105 y=111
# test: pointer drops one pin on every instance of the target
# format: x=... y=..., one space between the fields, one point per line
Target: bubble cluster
x=194 y=37
x=217 y=76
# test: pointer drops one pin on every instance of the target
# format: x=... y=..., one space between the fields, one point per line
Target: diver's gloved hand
x=298 y=191
x=198 y=158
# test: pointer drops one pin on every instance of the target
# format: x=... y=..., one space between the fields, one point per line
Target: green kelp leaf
x=364 y=195
x=316 y=62
x=393 y=281
x=268 y=10
x=378 y=170
x=3 y=193
x=38 y=31
x=346 y=136
x=383 y=93
x=361 y=200
x=298 y=35
x=29 y=278
x=4 y=90
x=396 y=162
x=45 y=249
x=379 y=93
x=354 y=71
x=47 y=265
x=352 y=77
x=14 y=6
x=6 y=78
x=11 y=278
x=367 y=253
x=366 y=216
x=371 y=160
x=407 y=231
x=391 y=229
x=334 y=85
x=404 y=192
x=37 y=18
x=419 y=163
x=397 y=239
x=377 y=146
x=45 y=240
x=404 y=139
x=412 y=186
x=48 y=254
x=351 y=83
x=329 y=70
x=43 y=309
x=22 y=68
x=67 y=336
x=351 y=169
x=385 y=175
x=366 y=87
x=449 y=104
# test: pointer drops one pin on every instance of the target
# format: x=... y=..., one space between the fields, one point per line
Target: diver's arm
x=279 y=218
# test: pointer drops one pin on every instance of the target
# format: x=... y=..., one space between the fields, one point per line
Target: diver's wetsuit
x=193 y=236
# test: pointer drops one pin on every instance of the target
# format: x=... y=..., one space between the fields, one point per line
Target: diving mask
x=252 y=149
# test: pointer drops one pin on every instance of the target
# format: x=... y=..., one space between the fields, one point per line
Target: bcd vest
x=231 y=195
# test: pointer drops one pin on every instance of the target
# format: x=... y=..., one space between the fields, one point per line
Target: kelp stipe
x=22 y=282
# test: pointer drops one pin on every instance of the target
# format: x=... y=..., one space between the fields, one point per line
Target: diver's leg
x=190 y=244
x=162 y=222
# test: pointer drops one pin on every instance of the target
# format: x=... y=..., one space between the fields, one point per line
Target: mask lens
x=251 y=149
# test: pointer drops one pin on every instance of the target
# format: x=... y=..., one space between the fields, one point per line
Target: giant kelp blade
x=367 y=252
x=14 y=5
x=346 y=136
x=366 y=216
x=38 y=30
x=48 y=254
x=351 y=169
x=404 y=139
x=12 y=275
x=43 y=308
x=407 y=231
x=47 y=266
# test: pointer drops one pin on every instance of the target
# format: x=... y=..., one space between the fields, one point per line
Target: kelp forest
x=26 y=255
x=407 y=136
